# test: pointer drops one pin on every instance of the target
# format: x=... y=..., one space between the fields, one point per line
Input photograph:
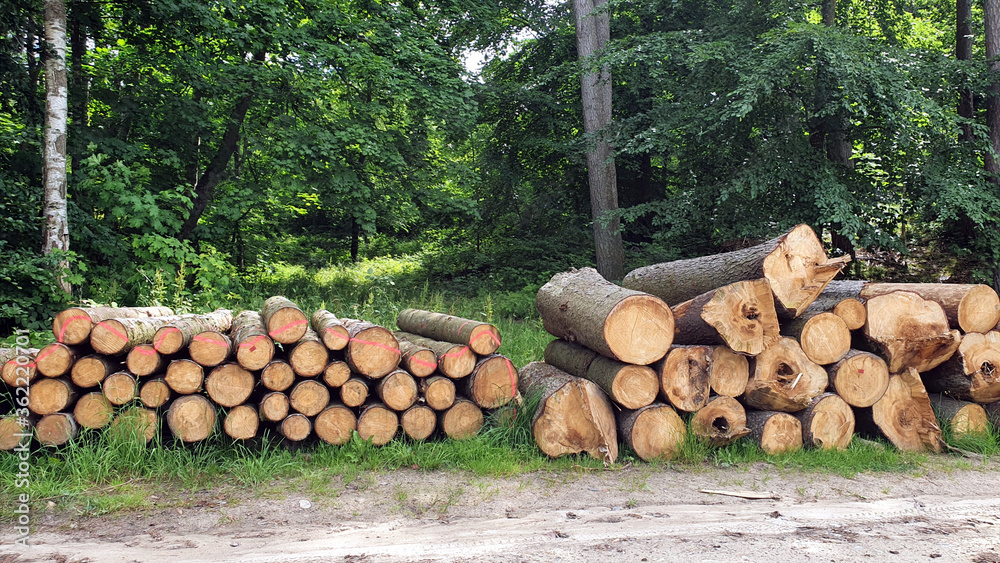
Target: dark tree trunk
x=991 y=11
x=963 y=52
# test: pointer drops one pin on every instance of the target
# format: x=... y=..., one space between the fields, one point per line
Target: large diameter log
x=462 y=420
x=134 y=424
x=373 y=350
x=154 y=393
x=120 y=388
x=973 y=372
x=970 y=307
x=55 y=429
x=336 y=373
x=775 y=432
x=784 y=379
x=309 y=397
x=722 y=421
x=178 y=335
x=285 y=322
x=185 y=376
x=904 y=415
x=377 y=423
x=740 y=315
x=57 y=359
x=191 y=418
x=14 y=432
x=296 y=427
x=453 y=360
x=492 y=383
x=73 y=326
x=210 y=348
x=418 y=360
x=961 y=418
x=827 y=423
x=273 y=406
x=482 y=338
x=93 y=410
x=309 y=356
x=629 y=385
x=144 y=360
x=19 y=369
x=655 y=431
x=398 y=390
x=51 y=395
x=330 y=329
x=117 y=336
x=254 y=348
x=90 y=371
x=860 y=378
x=229 y=385
x=824 y=337
x=335 y=424
x=728 y=371
x=909 y=331
x=277 y=375
x=438 y=392
x=573 y=415
x=684 y=378
x=354 y=392
x=241 y=422
x=418 y=422
x=630 y=326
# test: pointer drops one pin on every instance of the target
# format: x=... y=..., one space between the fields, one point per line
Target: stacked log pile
x=138 y=371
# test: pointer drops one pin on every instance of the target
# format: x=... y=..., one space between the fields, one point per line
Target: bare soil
x=633 y=514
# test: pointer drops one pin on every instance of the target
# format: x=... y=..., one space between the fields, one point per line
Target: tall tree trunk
x=593 y=31
x=991 y=10
x=963 y=52
x=56 y=230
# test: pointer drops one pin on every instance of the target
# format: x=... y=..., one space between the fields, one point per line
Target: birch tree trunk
x=56 y=224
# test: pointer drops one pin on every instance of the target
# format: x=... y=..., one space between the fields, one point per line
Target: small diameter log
x=134 y=424
x=722 y=421
x=330 y=329
x=784 y=379
x=93 y=410
x=683 y=377
x=229 y=385
x=90 y=371
x=309 y=397
x=354 y=392
x=581 y=306
x=241 y=422
x=191 y=418
x=418 y=360
x=655 y=431
x=51 y=395
x=962 y=418
x=210 y=348
x=903 y=415
x=462 y=420
x=56 y=359
x=827 y=423
x=438 y=392
x=73 y=326
x=492 y=383
x=824 y=337
x=860 y=378
x=285 y=322
x=177 y=336
x=629 y=385
x=454 y=360
x=794 y=264
x=117 y=336
x=335 y=424
x=573 y=415
x=970 y=307
x=273 y=406
x=254 y=348
x=144 y=360
x=775 y=432
x=482 y=338
x=336 y=374
x=909 y=331
x=728 y=371
x=154 y=393
x=377 y=423
x=19 y=369
x=398 y=390
x=277 y=375
x=296 y=427
x=570 y=357
x=55 y=429
x=740 y=315
x=973 y=372
x=842 y=298
x=418 y=422
x=185 y=376
x=120 y=388
x=14 y=431
x=309 y=356
x=373 y=350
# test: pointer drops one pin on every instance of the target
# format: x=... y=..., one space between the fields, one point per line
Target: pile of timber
x=137 y=371
x=764 y=343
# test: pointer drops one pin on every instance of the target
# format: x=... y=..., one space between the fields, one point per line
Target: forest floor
x=637 y=513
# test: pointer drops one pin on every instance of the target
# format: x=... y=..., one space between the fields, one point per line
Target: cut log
x=683 y=377
x=285 y=322
x=454 y=360
x=134 y=424
x=20 y=370
x=354 y=392
x=185 y=376
x=336 y=373
x=581 y=306
x=860 y=378
x=462 y=420
x=482 y=338
x=728 y=371
x=842 y=298
x=377 y=423
x=824 y=337
x=909 y=331
x=993 y=413
x=973 y=372
x=191 y=418
x=309 y=356
x=296 y=427
x=229 y=385
x=492 y=383
x=397 y=390
x=418 y=422
x=903 y=415
x=14 y=431
x=273 y=406
x=335 y=424
x=177 y=336
x=722 y=421
x=56 y=359
x=210 y=348
x=51 y=395
x=254 y=348
x=852 y=312
x=629 y=385
x=277 y=375
x=373 y=350
x=330 y=329
x=55 y=429
x=144 y=360
x=740 y=315
x=775 y=432
x=73 y=326
x=241 y=422
x=117 y=336
x=309 y=397
x=93 y=410
x=655 y=431
x=794 y=264
x=90 y=371
x=961 y=418
x=970 y=307
x=120 y=388
x=420 y=361
x=154 y=393
x=570 y=357
x=827 y=423
x=784 y=379
x=438 y=392
x=573 y=415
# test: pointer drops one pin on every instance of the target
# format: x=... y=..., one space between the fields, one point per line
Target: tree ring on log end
x=639 y=329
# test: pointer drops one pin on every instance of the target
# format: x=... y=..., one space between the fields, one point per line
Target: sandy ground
x=635 y=514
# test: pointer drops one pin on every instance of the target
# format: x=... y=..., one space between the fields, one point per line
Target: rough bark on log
x=134 y=424
x=784 y=379
x=729 y=372
x=993 y=412
x=335 y=424
x=254 y=348
x=296 y=427
x=330 y=329
x=19 y=370
x=961 y=418
x=241 y=422
x=144 y=360
x=373 y=350
x=336 y=373
x=93 y=410
x=178 y=335
x=377 y=423
x=462 y=420
x=229 y=385
x=284 y=321
x=185 y=376
x=970 y=307
x=573 y=415
x=775 y=432
x=629 y=385
x=73 y=326
x=191 y=418
x=453 y=360
x=51 y=395
x=438 y=392
x=397 y=390
x=492 y=383
x=972 y=373
x=210 y=348
x=120 y=388
x=90 y=371
x=418 y=422
x=273 y=406
x=114 y=337
x=420 y=361
x=482 y=338
x=354 y=392
x=827 y=423
x=570 y=357
x=154 y=393
x=909 y=331
x=55 y=429
x=904 y=415
x=722 y=421
x=740 y=315
x=684 y=378
x=309 y=397
x=277 y=375
x=860 y=378
x=824 y=337
x=630 y=326
x=655 y=431
x=309 y=356
x=56 y=359
x=842 y=298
